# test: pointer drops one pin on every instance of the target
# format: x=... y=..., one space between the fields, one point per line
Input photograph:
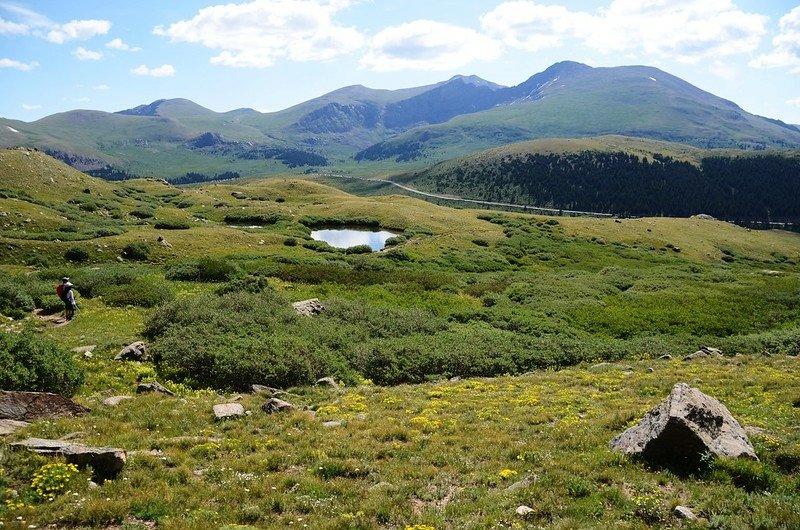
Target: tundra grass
x=450 y=455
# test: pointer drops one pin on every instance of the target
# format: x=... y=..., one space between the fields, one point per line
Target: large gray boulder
x=106 y=462
x=153 y=388
x=136 y=351
x=684 y=427
x=309 y=308
x=30 y=406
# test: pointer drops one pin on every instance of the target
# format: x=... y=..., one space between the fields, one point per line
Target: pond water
x=351 y=237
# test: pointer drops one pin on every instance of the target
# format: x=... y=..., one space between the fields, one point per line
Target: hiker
x=65 y=292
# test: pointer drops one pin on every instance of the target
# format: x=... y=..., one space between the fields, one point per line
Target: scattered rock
x=650 y=369
x=665 y=357
x=261 y=389
x=524 y=483
x=228 y=410
x=686 y=425
x=523 y=510
x=703 y=217
x=327 y=381
x=277 y=405
x=332 y=424
x=238 y=195
x=768 y=272
x=29 y=406
x=105 y=462
x=309 y=308
x=682 y=512
x=115 y=400
x=158 y=388
x=10 y=426
x=704 y=351
x=164 y=242
x=85 y=349
x=136 y=351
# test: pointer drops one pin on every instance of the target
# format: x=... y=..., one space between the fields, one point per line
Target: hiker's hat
x=65 y=279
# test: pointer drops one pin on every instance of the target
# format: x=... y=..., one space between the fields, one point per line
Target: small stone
x=10 y=426
x=665 y=357
x=682 y=512
x=228 y=410
x=115 y=400
x=154 y=387
x=523 y=510
x=261 y=389
x=651 y=369
x=85 y=349
x=277 y=405
x=332 y=424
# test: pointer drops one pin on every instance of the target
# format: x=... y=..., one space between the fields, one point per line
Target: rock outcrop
x=30 y=406
x=106 y=462
x=684 y=427
x=309 y=308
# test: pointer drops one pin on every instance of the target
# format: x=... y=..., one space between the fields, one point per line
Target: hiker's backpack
x=60 y=290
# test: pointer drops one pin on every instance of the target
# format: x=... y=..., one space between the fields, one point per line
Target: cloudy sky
x=270 y=54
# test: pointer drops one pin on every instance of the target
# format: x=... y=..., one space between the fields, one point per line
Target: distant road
x=553 y=211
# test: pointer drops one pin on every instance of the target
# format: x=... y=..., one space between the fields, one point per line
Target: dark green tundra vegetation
x=499 y=320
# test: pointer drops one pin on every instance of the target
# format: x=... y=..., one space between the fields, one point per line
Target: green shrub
x=15 y=302
x=76 y=254
x=235 y=340
x=171 y=225
x=143 y=292
x=138 y=251
x=750 y=475
x=251 y=218
x=203 y=270
x=143 y=213
x=93 y=283
x=290 y=242
x=480 y=242
x=359 y=249
x=34 y=363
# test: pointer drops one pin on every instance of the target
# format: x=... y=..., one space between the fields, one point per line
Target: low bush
x=138 y=251
x=235 y=340
x=33 y=363
x=15 y=301
x=251 y=218
x=76 y=254
x=143 y=292
x=359 y=249
x=171 y=225
x=203 y=270
x=143 y=213
x=92 y=283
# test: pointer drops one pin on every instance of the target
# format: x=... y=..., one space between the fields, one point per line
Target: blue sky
x=271 y=54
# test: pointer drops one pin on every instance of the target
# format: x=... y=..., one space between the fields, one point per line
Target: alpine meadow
x=570 y=301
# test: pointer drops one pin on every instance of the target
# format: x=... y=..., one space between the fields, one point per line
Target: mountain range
x=172 y=137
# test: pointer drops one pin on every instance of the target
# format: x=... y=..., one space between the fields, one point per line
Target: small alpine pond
x=351 y=237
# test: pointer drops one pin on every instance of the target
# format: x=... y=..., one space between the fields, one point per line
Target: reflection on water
x=346 y=238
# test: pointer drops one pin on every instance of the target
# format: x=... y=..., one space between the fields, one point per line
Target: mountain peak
x=474 y=80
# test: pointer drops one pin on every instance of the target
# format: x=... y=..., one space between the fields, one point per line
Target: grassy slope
x=417 y=454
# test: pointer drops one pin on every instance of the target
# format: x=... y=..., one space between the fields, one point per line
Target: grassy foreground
x=458 y=454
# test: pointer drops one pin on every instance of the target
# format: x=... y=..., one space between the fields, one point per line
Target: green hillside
x=545 y=336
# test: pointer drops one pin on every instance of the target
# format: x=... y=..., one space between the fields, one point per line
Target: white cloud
x=684 y=30
x=119 y=44
x=165 y=70
x=726 y=71
x=78 y=30
x=29 y=17
x=428 y=45
x=13 y=28
x=26 y=106
x=257 y=33
x=82 y=54
x=17 y=65
x=82 y=100
x=101 y=87
x=795 y=102
x=786 y=51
